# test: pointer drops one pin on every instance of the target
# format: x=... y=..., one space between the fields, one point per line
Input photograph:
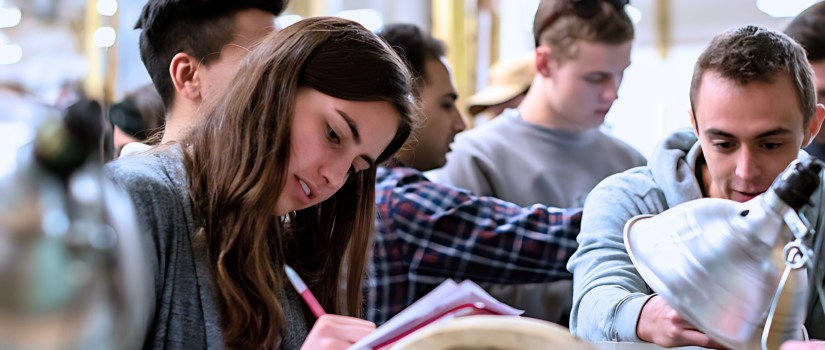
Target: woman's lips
x=304 y=190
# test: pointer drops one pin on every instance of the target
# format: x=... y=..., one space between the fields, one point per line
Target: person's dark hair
x=237 y=158
x=561 y=24
x=414 y=46
x=199 y=28
x=751 y=53
x=139 y=114
x=808 y=28
x=83 y=127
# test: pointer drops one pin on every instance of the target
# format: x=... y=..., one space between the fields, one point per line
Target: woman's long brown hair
x=237 y=161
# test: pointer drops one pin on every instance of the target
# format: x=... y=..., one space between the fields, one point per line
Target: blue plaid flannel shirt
x=427 y=232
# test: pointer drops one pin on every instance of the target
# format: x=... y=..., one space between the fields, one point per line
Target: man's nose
x=746 y=166
x=458 y=121
x=611 y=90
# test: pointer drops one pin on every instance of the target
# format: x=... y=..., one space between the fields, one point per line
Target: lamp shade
x=718 y=263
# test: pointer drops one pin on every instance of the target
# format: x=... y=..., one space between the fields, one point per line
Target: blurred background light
x=9 y=16
x=370 y=19
x=13 y=135
x=10 y=54
x=287 y=20
x=783 y=8
x=107 y=7
x=105 y=37
x=634 y=13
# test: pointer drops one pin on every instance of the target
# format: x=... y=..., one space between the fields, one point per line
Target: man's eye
x=595 y=79
x=723 y=145
x=771 y=145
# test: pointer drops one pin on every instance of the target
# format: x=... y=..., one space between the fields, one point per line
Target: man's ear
x=693 y=122
x=183 y=70
x=814 y=125
x=543 y=60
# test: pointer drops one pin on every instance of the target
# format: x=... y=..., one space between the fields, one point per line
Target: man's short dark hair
x=808 y=29
x=752 y=53
x=414 y=46
x=561 y=24
x=196 y=27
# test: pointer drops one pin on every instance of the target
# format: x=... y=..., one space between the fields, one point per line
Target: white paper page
x=446 y=296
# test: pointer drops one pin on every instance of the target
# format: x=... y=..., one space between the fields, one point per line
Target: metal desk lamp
x=72 y=272
x=736 y=271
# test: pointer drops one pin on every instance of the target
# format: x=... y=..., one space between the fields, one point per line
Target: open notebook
x=446 y=301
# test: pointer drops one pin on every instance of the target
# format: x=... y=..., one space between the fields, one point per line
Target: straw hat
x=508 y=79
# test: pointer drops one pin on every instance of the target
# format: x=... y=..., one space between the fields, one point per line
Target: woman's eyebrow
x=352 y=126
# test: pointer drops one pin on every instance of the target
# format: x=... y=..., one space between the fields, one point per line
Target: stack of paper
x=446 y=301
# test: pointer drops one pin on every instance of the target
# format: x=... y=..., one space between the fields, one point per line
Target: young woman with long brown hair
x=281 y=171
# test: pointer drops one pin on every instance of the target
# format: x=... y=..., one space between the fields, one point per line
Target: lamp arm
x=797 y=255
x=774 y=302
x=799 y=225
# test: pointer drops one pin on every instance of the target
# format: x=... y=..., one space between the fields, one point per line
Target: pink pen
x=302 y=289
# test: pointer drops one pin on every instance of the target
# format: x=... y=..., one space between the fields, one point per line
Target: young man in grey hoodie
x=753 y=108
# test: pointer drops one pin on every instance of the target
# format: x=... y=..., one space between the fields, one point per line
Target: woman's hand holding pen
x=330 y=331
x=337 y=332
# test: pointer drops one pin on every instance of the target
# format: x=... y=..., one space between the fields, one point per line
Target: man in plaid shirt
x=426 y=232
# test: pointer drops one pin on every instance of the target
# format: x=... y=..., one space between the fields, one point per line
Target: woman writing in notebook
x=281 y=171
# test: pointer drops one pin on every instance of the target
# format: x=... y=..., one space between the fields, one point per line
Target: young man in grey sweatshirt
x=550 y=149
x=753 y=108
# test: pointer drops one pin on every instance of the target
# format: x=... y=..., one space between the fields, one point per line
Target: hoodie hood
x=673 y=167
